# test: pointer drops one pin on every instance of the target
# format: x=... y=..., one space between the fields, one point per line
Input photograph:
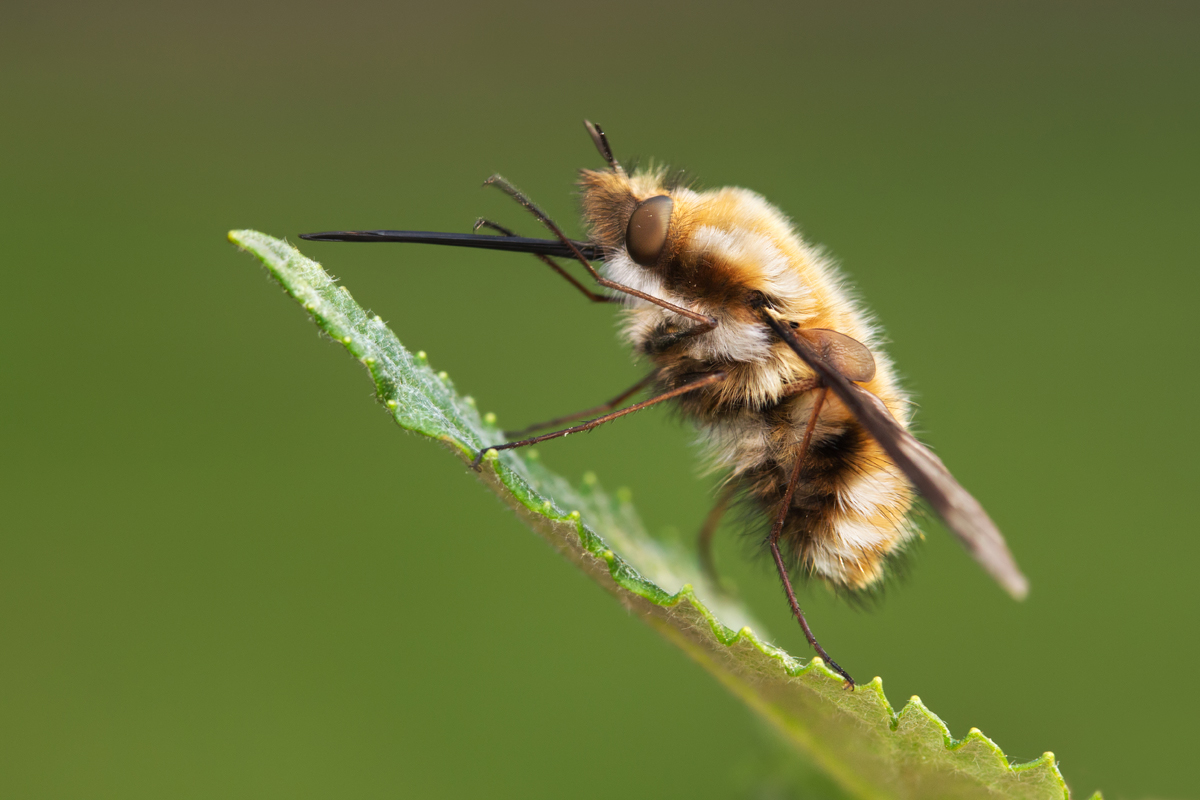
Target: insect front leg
x=588 y=293
x=706 y=322
x=698 y=383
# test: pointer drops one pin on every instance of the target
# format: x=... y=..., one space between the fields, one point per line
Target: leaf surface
x=856 y=738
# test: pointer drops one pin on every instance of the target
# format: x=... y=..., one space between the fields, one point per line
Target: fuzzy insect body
x=753 y=335
x=726 y=254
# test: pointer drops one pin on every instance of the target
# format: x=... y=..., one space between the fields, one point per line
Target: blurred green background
x=223 y=572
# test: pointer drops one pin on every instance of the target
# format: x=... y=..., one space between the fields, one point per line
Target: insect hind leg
x=709 y=529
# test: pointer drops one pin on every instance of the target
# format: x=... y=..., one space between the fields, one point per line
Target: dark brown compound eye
x=647 y=231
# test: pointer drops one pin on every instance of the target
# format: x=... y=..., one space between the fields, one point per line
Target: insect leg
x=704 y=380
x=609 y=406
x=800 y=387
x=707 y=323
x=711 y=522
x=595 y=298
x=777 y=530
x=961 y=512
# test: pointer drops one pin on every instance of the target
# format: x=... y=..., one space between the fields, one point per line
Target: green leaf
x=855 y=738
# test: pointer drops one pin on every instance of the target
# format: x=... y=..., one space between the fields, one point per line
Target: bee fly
x=752 y=334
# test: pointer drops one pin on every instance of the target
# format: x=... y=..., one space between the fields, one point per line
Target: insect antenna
x=601 y=142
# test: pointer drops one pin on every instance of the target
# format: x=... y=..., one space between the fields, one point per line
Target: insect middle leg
x=607 y=406
x=777 y=530
x=697 y=383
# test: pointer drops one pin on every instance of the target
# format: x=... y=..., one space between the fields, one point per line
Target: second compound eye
x=647 y=231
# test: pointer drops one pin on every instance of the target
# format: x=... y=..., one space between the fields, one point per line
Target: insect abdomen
x=850 y=508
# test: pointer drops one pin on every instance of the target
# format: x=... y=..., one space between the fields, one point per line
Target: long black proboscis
x=512 y=244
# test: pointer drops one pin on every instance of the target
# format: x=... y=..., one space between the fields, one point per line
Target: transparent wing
x=961 y=512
